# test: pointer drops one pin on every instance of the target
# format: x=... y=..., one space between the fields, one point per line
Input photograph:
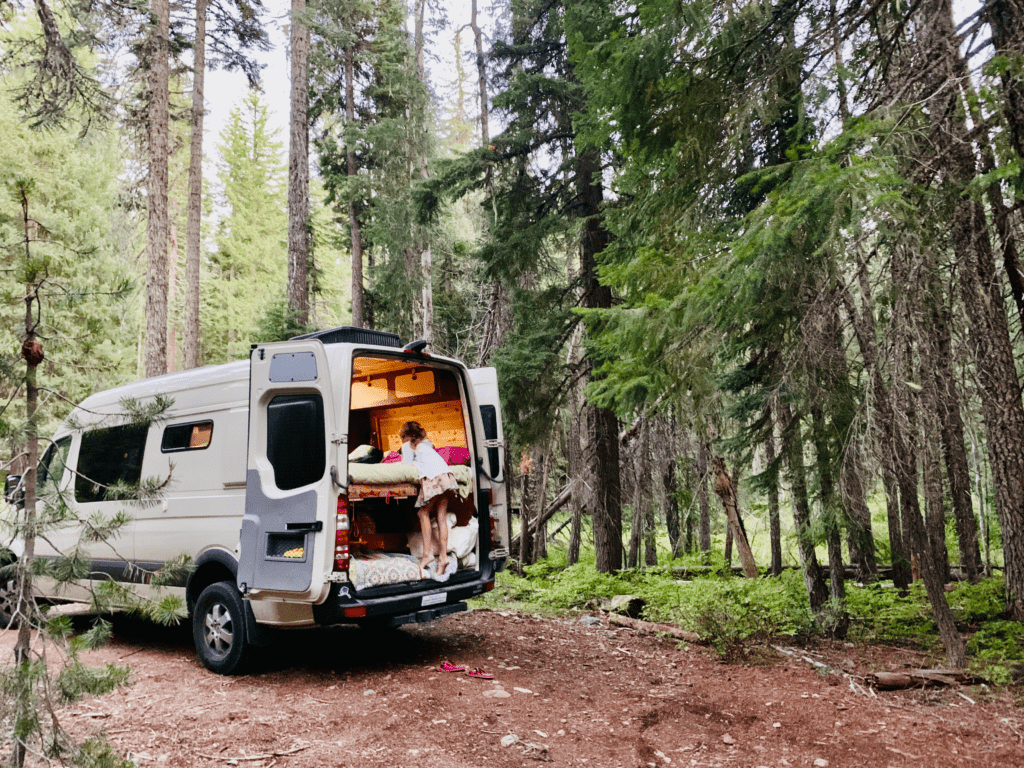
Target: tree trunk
x=193 y=234
x=860 y=538
x=981 y=291
x=159 y=147
x=298 y=169
x=954 y=444
x=703 y=502
x=792 y=442
x=32 y=353
x=602 y=454
x=355 y=231
x=574 y=462
x=172 y=293
x=671 y=508
x=885 y=421
x=774 y=523
x=418 y=157
x=726 y=490
x=935 y=511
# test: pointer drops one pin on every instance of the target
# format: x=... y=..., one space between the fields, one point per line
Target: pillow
x=366 y=454
x=454 y=455
x=391 y=457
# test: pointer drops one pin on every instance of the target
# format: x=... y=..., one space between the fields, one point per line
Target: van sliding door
x=288 y=490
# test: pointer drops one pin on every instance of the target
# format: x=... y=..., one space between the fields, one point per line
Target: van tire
x=8 y=602
x=8 y=594
x=218 y=629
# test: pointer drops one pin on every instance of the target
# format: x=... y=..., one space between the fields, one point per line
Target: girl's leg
x=428 y=538
x=442 y=533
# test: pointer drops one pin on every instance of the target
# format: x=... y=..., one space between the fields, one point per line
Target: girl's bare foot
x=425 y=563
x=442 y=566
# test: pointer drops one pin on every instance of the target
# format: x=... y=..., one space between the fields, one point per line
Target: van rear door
x=485 y=389
x=288 y=492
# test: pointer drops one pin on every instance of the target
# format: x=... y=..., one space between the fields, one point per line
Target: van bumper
x=417 y=603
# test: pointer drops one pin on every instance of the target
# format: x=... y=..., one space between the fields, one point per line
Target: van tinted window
x=187 y=437
x=109 y=456
x=296 y=440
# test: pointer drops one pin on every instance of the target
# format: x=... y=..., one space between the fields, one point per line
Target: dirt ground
x=563 y=692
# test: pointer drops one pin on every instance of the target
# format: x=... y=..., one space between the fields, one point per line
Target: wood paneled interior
x=440 y=411
x=442 y=420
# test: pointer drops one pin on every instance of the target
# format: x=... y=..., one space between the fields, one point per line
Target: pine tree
x=251 y=251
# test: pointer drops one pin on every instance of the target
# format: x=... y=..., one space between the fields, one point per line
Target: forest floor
x=566 y=690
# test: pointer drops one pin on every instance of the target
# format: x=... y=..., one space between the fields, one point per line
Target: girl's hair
x=412 y=430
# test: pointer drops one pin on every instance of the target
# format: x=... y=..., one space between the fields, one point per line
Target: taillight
x=341 y=546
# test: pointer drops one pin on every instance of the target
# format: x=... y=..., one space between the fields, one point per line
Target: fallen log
x=914 y=678
x=653 y=628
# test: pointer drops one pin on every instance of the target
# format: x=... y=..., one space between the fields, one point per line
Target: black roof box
x=351 y=335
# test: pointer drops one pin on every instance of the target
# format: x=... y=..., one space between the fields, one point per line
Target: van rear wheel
x=8 y=594
x=218 y=629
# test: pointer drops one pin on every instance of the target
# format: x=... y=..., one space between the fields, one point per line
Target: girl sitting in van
x=437 y=483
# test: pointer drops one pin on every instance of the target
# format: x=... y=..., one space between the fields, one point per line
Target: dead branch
x=915 y=678
x=653 y=628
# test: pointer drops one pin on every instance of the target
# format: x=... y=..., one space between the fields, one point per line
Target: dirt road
x=563 y=692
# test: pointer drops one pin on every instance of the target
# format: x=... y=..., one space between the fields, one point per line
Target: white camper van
x=283 y=530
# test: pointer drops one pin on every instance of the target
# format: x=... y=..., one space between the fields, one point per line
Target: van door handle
x=314 y=527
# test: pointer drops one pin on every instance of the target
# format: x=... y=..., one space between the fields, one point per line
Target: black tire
x=218 y=629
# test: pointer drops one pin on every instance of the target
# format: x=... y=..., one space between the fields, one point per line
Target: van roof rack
x=352 y=335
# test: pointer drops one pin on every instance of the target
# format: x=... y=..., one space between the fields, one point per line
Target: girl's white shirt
x=427 y=461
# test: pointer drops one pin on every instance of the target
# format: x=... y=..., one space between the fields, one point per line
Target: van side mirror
x=13 y=492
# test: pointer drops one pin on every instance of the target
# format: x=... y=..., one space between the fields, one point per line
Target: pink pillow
x=454 y=455
x=391 y=457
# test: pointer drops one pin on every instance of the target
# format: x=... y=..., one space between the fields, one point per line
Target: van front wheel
x=218 y=628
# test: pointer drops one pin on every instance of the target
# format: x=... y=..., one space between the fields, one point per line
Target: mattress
x=397 y=480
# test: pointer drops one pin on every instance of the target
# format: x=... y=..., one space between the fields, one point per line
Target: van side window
x=187 y=437
x=51 y=468
x=296 y=442
x=109 y=456
x=489 y=416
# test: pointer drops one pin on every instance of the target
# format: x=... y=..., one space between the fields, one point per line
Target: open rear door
x=288 y=490
x=492 y=460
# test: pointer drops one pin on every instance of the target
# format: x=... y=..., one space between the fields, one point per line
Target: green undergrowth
x=728 y=610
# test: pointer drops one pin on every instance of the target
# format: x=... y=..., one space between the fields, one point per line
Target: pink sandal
x=447 y=666
x=480 y=673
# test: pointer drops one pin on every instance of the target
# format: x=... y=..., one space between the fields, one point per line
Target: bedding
x=388 y=480
x=377 y=569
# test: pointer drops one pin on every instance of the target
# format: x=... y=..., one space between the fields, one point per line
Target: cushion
x=391 y=457
x=454 y=455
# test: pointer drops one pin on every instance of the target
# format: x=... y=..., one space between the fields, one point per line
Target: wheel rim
x=218 y=629
x=7 y=601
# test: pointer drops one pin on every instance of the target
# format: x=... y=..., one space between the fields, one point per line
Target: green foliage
x=996 y=647
x=77 y=680
x=251 y=239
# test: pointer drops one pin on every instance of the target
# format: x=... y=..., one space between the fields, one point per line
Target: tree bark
x=725 y=488
x=981 y=291
x=298 y=168
x=32 y=353
x=703 y=502
x=193 y=233
x=157 y=225
x=354 y=228
x=884 y=419
x=792 y=442
x=602 y=453
x=774 y=522
x=954 y=443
